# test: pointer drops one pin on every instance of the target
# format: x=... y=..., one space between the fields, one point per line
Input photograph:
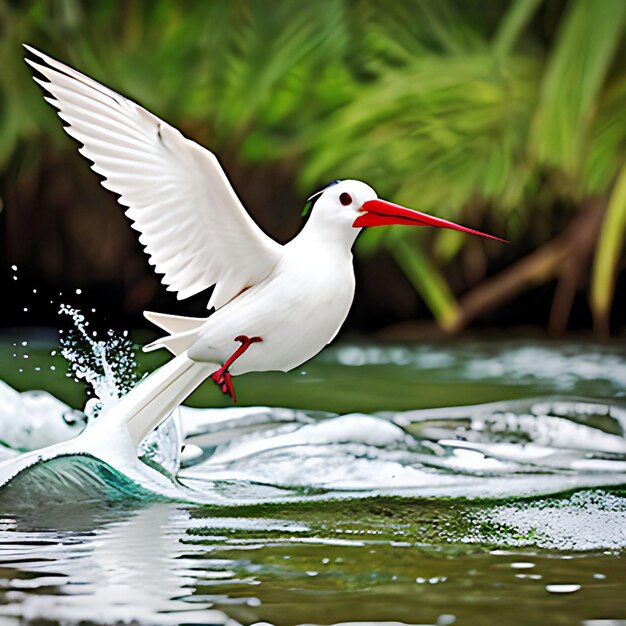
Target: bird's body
x=294 y=322
x=275 y=306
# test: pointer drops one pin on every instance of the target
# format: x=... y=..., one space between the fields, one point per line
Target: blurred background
x=504 y=115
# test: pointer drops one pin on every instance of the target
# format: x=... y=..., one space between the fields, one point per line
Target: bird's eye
x=345 y=199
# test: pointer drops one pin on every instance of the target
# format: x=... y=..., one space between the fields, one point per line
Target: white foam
x=585 y=521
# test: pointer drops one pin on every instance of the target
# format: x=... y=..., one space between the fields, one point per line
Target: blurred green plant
x=512 y=113
x=497 y=125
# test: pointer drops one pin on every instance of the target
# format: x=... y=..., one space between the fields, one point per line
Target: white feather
x=194 y=228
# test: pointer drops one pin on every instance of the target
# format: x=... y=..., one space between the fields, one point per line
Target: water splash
x=34 y=419
x=507 y=449
x=109 y=366
x=110 y=369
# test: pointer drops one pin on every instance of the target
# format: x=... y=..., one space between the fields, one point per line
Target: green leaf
x=426 y=279
x=516 y=18
x=610 y=245
x=588 y=40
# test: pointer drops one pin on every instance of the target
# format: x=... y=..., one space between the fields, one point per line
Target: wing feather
x=191 y=223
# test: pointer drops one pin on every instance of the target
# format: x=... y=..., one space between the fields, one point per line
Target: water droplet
x=14 y=268
x=562 y=588
x=107 y=366
x=79 y=291
x=522 y=565
x=25 y=309
x=24 y=343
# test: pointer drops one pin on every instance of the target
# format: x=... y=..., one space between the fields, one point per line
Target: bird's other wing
x=193 y=227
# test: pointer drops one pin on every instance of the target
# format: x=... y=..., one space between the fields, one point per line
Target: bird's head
x=355 y=204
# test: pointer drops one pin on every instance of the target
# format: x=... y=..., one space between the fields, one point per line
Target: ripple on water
x=558 y=367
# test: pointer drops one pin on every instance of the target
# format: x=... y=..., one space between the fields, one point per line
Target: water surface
x=431 y=484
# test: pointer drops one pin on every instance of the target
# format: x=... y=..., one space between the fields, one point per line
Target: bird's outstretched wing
x=193 y=227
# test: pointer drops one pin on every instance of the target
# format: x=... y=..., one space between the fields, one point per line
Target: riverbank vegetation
x=508 y=116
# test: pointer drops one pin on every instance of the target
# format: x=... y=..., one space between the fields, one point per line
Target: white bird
x=276 y=306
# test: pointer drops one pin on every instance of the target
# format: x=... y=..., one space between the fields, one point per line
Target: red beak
x=383 y=213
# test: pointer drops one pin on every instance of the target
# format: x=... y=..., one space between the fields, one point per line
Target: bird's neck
x=324 y=232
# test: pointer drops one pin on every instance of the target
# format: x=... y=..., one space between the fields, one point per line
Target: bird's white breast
x=296 y=310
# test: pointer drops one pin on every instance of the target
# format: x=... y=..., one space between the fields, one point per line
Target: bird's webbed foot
x=222 y=376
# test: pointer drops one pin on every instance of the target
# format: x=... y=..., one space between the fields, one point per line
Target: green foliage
x=425 y=277
x=609 y=246
x=495 y=126
x=452 y=107
x=434 y=134
x=575 y=73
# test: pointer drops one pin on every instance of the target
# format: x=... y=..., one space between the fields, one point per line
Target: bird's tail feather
x=154 y=398
x=176 y=344
x=183 y=331
x=174 y=324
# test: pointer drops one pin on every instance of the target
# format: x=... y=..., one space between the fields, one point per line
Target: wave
x=501 y=450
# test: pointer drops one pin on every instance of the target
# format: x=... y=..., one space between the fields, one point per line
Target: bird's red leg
x=222 y=376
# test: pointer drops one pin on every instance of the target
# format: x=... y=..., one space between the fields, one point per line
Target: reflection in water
x=134 y=568
x=363 y=560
